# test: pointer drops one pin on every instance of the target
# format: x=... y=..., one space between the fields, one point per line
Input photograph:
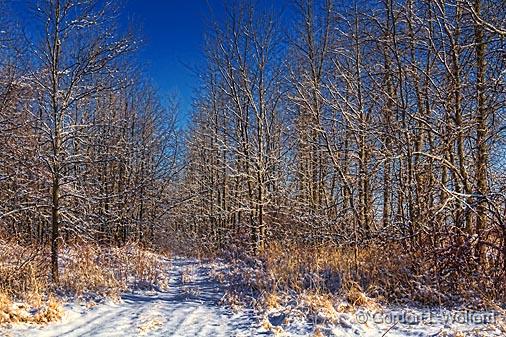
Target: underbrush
x=320 y=283
x=316 y=282
x=110 y=270
x=33 y=312
x=385 y=273
x=87 y=272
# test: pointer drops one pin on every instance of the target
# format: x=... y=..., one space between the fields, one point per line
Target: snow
x=193 y=306
x=420 y=322
x=185 y=309
x=390 y=322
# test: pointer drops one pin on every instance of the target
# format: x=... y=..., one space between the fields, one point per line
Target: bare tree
x=77 y=59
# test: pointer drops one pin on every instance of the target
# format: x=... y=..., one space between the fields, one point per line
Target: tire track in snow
x=189 y=308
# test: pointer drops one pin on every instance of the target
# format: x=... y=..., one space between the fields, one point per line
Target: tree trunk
x=481 y=133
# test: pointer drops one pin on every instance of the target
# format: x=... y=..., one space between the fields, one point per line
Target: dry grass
x=374 y=274
x=83 y=272
x=23 y=276
x=232 y=299
x=271 y=300
x=321 y=306
x=26 y=294
x=187 y=275
x=47 y=311
x=318 y=333
x=51 y=311
x=320 y=283
x=315 y=283
x=23 y=269
x=111 y=270
x=323 y=271
x=357 y=298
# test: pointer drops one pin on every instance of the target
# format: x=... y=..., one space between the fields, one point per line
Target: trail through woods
x=190 y=307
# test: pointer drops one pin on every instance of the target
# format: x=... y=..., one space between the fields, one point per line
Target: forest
x=338 y=146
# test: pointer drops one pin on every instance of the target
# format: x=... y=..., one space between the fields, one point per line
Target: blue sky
x=173 y=36
x=172 y=31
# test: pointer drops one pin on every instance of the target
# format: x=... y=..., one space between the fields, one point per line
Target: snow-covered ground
x=395 y=322
x=192 y=306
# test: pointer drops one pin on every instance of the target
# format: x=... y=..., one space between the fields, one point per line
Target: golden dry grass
x=23 y=269
x=110 y=270
x=372 y=274
x=83 y=273
x=329 y=278
x=320 y=270
x=271 y=300
x=318 y=333
x=85 y=268
x=46 y=311
x=51 y=311
x=320 y=305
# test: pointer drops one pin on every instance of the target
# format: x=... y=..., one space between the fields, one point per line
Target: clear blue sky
x=173 y=36
x=173 y=32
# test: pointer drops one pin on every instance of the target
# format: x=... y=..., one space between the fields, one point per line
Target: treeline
x=87 y=150
x=379 y=123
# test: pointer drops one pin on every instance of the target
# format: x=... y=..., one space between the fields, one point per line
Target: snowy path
x=188 y=308
x=191 y=307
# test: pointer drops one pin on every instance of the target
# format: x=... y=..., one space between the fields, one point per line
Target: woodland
x=358 y=141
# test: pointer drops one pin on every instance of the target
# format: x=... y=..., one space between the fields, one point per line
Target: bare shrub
x=22 y=269
x=110 y=270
